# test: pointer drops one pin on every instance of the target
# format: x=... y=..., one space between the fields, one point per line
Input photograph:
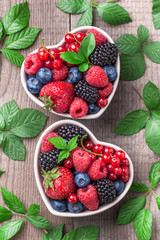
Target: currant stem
x=97 y=154
x=46 y=50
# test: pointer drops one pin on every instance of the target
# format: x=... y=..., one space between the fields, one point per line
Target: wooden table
x=19 y=177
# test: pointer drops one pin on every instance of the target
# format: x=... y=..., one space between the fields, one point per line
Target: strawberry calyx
x=49 y=177
x=48 y=103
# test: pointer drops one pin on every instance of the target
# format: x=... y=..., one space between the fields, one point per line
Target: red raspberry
x=105 y=92
x=81 y=160
x=98 y=36
x=60 y=74
x=77 y=148
x=68 y=163
x=72 y=198
x=96 y=77
x=47 y=146
x=32 y=64
x=97 y=170
x=48 y=63
x=78 y=108
x=125 y=162
x=120 y=154
x=89 y=197
x=102 y=102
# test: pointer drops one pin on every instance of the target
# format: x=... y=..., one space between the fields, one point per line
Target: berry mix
x=62 y=86
x=92 y=174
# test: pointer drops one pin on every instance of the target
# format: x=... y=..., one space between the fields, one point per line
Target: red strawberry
x=47 y=146
x=57 y=96
x=97 y=170
x=81 y=160
x=98 y=36
x=58 y=183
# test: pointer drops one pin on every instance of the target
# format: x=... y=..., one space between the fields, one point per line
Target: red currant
x=100 y=158
x=69 y=38
x=118 y=170
x=110 y=168
x=72 y=198
x=115 y=161
x=68 y=163
x=102 y=102
x=42 y=54
x=79 y=37
x=106 y=158
x=120 y=154
x=98 y=148
x=74 y=47
x=93 y=157
x=57 y=64
x=125 y=171
x=124 y=178
x=54 y=53
x=48 y=63
x=61 y=49
x=108 y=150
x=89 y=145
x=125 y=162
x=112 y=176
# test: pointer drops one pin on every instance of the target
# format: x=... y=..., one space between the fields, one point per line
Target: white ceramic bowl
x=91 y=116
x=39 y=177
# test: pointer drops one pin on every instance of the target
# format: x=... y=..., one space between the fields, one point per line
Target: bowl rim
x=46 y=200
x=115 y=85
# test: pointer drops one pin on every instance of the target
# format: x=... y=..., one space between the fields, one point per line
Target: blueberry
x=75 y=207
x=93 y=108
x=111 y=72
x=44 y=75
x=119 y=186
x=59 y=205
x=31 y=75
x=74 y=75
x=82 y=180
x=33 y=85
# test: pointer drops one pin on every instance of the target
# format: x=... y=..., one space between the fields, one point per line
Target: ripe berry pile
x=91 y=176
x=62 y=86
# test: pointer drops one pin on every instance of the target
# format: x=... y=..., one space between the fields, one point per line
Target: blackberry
x=70 y=131
x=49 y=160
x=86 y=91
x=104 y=54
x=106 y=190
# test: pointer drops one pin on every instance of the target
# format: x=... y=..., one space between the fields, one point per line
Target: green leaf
x=58 y=142
x=2 y=122
x=152 y=130
x=1 y=137
x=12 y=201
x=88 y=45
x=33 y=209
x=5 y=214
x=1 y=30
x=16 y=18
x=8 y=230
x=1 y=173
x=83 y=233
x=13 y=56
x=71 y=57
x=87 y=18
x=154 y=174
x=22 y=39
x=28 y=123
x=152 y=50
x=9 y=110
x=63 y=155
x=73 y=6
x=39 y=222
x=129 y=210
x=128 y=44
x=13 y=147
x=156 y=13
x=143 y=33
x=72 y=143
x=132 y=123
x=54 y=233
x=113 y=13
x=143 y=225
x=84 y=67
x=132 y=66
x=138 y=187
x=158 y=106
x=158 y=202
x=151 y=95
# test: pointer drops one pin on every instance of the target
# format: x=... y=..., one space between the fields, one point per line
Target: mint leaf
x=113 y=13
x=132 y=66
x=22 y=39
x=39 y=222
x=158 y=202
x=154 y=174
x=1 y=137
x=8 y=230
x=27 y=123
x=138 y=187
x=128 y=44
x=13 y=56
x=2 y=122
x=58 y=142
x=72 y=57
x=63 y=155
x=16 y=18
x=12 y=201
x=88 y=45
x=33 y=209
x=151 y=95
x=152 y=130
x=1 y=30
x=143 y=225
x=1 y=173
x=54 y=233
x=73 y=6
x=156 y=13
x=152 y=51
x=5 y=214
x=129 y=210
x=72 y=143
x=143 y=33
x=132 y=123
x=84 y=67
x=13 y=147
x=87 y=18
x=83 y=233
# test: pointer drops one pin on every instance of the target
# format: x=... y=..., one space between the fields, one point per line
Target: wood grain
x=19 y=177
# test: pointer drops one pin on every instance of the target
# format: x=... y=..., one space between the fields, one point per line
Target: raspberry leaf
x=2 y=122
x=1 y=137
x=1 y=173
x=87 y=18
x=72 y=57
x=154 y=174
x=143 y=33
x=63 y=155
x=84 y=67
x=5 y=214
x=39 y=222
x=33 y=209
x=156 y=13
x=128 y=44
x=138 y=187
x=158 y=202
x=8 y=230
x=1 y=30
x=13 y=56
x=87 y=233
x=54 y=233
x=152 y=51
x=151 y=95
x=58 y=142
x=73 y=6
x=88 y=45
x=72 y=143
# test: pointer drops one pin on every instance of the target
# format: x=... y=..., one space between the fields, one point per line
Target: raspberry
x=105 y=92
x=46 y=145
x=89 y=197
x=60 y=74
x=81 y=160
x=98 y=36
x=77 y=148
x=97 y=170
x=78 y=108
x=96 y=77
x=32 y=64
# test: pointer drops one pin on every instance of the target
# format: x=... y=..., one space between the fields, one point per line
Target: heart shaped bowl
x=39 y=178
x=117 y=65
